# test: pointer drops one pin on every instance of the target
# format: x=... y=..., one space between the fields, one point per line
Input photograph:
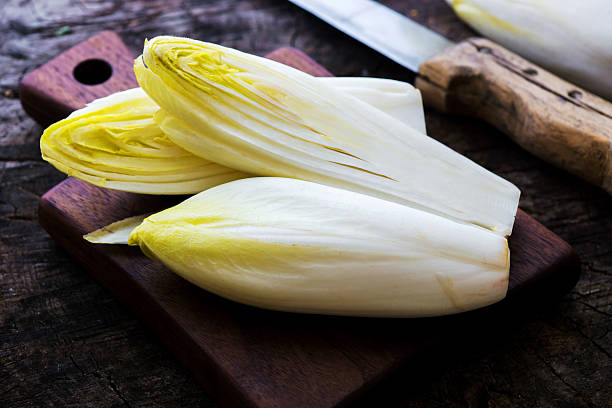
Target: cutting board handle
x=549 y=117
x=90 y=70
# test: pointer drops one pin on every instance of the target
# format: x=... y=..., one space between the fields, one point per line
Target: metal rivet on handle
x=575 y=94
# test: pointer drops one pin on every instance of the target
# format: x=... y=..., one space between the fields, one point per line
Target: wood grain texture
x=250 y=357
x=66 y=341
x=549 y=117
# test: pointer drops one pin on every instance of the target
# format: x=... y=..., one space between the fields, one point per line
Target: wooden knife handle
x=549 y=117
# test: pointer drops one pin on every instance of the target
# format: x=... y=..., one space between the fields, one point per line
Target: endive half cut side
x=297 y=246
x=115 y=143
x=265 y=118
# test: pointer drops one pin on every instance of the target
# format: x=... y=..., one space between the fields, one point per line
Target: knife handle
x=549 y=117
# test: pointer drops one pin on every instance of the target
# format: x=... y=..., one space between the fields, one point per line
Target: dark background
x=65 y=341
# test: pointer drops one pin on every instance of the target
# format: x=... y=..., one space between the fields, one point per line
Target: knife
x=549 y=117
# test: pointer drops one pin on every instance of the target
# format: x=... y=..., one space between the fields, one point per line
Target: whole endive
x=297 y=246
x=265 y=118
x=115 y=143
x=571 y=38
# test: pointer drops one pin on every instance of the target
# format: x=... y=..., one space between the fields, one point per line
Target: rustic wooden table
x=65 y=341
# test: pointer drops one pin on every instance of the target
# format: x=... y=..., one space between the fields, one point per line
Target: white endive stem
x=297 y=246
x=265 y=118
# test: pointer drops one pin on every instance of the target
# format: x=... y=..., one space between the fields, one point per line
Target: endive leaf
x=115 y=233
x=115 y=143
x=292 y=245
x=398 y=99
x=265 y=118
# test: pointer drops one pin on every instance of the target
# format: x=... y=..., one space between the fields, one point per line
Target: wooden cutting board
x=246 y=356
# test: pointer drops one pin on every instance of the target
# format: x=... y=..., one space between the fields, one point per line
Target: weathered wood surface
x=65 y=341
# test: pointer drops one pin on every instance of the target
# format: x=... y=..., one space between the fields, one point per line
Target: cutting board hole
x=92 y=71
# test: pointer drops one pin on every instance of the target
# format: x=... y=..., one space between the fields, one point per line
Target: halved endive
x=265 y=118
x=115 y=143
x=297 y=246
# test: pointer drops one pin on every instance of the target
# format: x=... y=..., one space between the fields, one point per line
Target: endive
x=265 y=118
x=569 y=37
x=115 y=143
x=297 y=246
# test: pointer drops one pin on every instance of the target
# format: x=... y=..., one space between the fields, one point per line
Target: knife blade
x=549 y=117
x=381 y=28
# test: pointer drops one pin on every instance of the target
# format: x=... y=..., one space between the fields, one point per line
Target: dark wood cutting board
x=246 y=356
